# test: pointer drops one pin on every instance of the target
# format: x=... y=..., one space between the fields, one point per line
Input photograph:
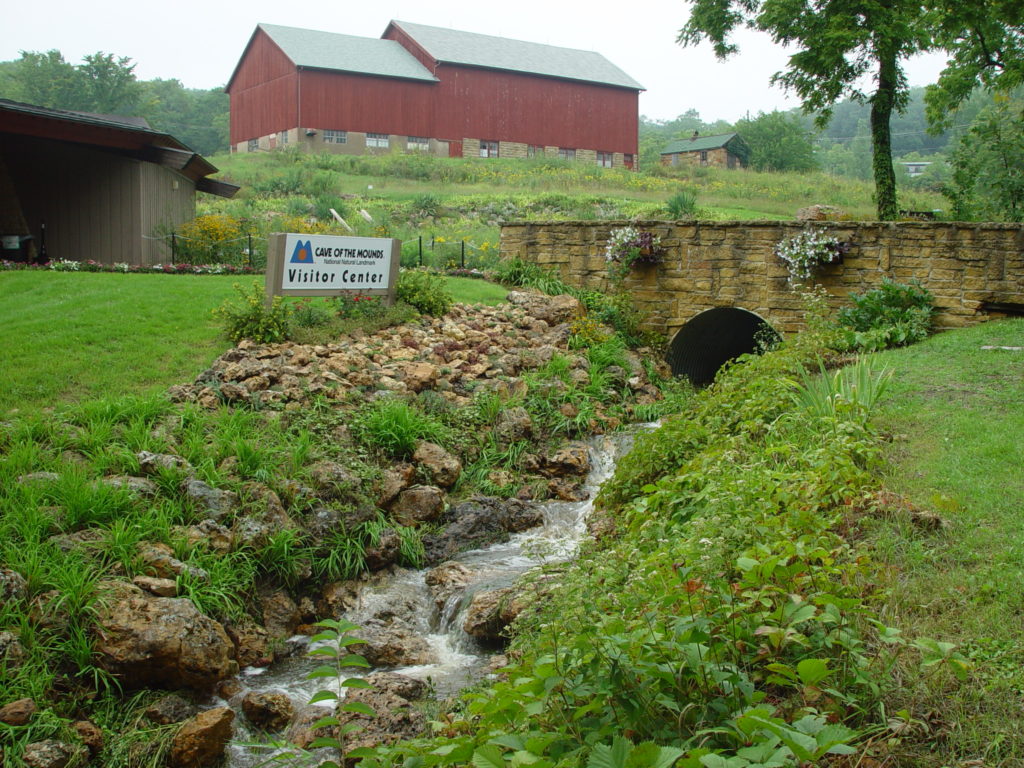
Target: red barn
x=429 y=89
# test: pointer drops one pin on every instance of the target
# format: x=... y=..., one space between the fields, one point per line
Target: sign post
x=328 y=265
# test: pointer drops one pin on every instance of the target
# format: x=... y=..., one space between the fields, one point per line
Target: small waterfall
x=403 y=595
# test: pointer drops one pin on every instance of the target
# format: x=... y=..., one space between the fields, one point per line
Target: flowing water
x=459 y=659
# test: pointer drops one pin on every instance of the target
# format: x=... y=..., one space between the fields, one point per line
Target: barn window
x=604 y=159
x=377 y=140
x=534 y=150
x=627 y=160
x=566 y=154
x=417 y=144
x=335 y=137
x=703 y=157
x=282 y=137
x=253 y=145
x=488 y=149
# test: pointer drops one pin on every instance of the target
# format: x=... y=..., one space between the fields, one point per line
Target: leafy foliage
x=778 y=141
x=892 y=315
x=250 y=317
x=425 y=291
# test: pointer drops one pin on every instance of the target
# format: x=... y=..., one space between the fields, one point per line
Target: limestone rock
x=394 y=481
x=418 y=504
x=172 y=708
x=201 y=740
x=156 y=586
x=337 y=598
x=478 y=522
x=213 y=502
x=333 y=481
x=18 y=712
x=90 y=734
x=158 y=560
x=141 y=486
x=268 y=711
x=280 y=613
x=209 y=534
x=489 y=613
x=52 y=754
x=13 y=586
x=252 y=643
x=418 y=376
x=385 y=552
x=38 y=477
x=153 y=463
x=572 y=459
x=393 y=644
x=162 y=641
x=12 y=653
x=514 y=424
x=446 y=581
x=442 y=467
x=395 y=717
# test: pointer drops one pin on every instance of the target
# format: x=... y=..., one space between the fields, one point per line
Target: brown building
x=429 y=89
x=78 y=187
x=725 y=150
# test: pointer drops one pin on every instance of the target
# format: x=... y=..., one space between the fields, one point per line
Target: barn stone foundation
x=975 y=271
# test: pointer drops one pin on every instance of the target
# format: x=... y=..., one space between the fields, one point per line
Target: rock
x=38 y=477
x=442 y=467
x=264 y=501
x=395 y=718
x=820 y=213
x=301 y=733
x=213 y=502
x=201 y=740
x=572 y=459
x=514 y=424
x=52 y=754
x=478 y=522
x=87 y=538
x=90 y=734
x=252 y=643
x=162 y=641
x=154 y=463
x=332 y=481
x=564 y=489
x=141 y=486
x=158 y=560
x=268 y=711
x=418 y=504
x=337 y=598
x=551 y=309
x=418 y=376
x=446 y=581
x=393 y=481
x=13 y=586
x=252 y=532
x=280 y=613
x=409 y=688
x=171 y=708
x=12 y=653
x=385 y=552
x=18 y=712
x=393 y=644
x=209 y=534
x=156 y=586
x=489 y=614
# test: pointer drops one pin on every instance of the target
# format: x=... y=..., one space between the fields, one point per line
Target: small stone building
x=725 y=150
x=76 y=186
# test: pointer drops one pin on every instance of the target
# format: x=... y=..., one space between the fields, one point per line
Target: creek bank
x=150 y=634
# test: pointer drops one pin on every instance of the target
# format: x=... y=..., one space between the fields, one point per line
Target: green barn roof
x=703 y=143
x=476 y=50
x=346 y=53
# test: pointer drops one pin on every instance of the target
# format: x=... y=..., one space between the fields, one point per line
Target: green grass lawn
x=957 y=415
x=76 y=336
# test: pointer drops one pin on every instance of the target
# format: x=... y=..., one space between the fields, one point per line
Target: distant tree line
x=105 y=84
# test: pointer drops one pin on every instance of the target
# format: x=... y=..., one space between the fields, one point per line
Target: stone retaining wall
x=731 y=264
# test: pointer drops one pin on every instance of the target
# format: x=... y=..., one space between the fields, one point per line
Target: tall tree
x=778 y=141
x=47 y=80
x=839 y=42
x=985 y=39
x=110 y=85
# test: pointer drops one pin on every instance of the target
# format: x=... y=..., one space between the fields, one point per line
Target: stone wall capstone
x=967 y=267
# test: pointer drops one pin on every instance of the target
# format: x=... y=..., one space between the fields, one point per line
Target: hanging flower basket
x=805 y=251
x=628 y=246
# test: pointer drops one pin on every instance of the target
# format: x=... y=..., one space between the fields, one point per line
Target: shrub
x=307 y=313
x=892 y=315
x=682 y=204
x=250 y=318
x=425 y=291
x=210 y=239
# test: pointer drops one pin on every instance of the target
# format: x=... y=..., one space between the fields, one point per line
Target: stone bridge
x=721 y=282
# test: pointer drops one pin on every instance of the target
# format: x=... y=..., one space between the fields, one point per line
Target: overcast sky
x=199 y=43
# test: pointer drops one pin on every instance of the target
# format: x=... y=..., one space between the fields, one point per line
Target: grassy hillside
x=447 y=201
